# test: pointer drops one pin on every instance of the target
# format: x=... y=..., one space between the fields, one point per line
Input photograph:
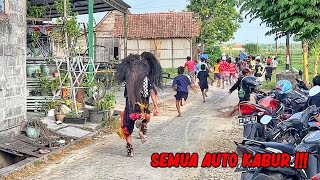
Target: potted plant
x=45 y=85
x=49 y=107
x=96 y=115
x=74 y=118
x=54 y=85
x=108 y=103
x=59 y=111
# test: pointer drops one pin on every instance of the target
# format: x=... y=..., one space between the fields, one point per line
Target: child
x=190 y=67
x=233 y=71
x=195 y=70
x=216 y=71
x=203 y=81
x=268 y=72
x=180 y=84
x=224 y=70
x=258 y=69
x=243 y=94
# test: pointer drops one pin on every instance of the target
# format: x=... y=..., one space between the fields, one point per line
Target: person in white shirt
x=275 y=64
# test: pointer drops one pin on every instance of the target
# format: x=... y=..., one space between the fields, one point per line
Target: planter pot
x=96 y=116
x=79 y=96
x=44 y=93
x=80 y=120
x=52 y=68
x=60 y=117
x=30 y=70
x=51 y=113
x=55 y=74
x=32 y=132
x=64 y=93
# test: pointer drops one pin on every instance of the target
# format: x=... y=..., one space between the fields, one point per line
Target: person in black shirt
x=258 y=69
x=268 y=72
x=243 y=93
x=203 y=81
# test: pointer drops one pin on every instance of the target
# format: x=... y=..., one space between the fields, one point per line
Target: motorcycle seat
x=287 y=148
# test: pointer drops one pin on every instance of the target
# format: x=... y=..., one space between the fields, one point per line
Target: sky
x=249 y=32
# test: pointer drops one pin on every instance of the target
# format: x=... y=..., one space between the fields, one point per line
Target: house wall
x=171 y=53
x=13 y=68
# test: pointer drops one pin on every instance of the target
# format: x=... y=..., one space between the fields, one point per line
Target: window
x=2 y=5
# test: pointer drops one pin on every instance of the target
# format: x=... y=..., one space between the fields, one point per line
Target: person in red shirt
x=224 y=70
x=190 y=66
x=233 y=71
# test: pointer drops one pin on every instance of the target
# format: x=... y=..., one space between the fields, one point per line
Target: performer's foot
x=129 y=150
x=179 y=115
x=142 y=137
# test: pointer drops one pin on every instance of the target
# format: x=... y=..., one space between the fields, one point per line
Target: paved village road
x=202 y=129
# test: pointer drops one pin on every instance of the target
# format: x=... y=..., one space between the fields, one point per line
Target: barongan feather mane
x=155 y=73
x=133 y=71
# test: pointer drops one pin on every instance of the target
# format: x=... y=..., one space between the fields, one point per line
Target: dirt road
x=202 y=129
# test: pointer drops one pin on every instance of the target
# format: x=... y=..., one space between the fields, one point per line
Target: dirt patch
x=110 y=127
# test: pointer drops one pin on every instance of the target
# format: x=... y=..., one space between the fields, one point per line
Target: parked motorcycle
x=311 y=144
x=292 y=130
x=251 y=113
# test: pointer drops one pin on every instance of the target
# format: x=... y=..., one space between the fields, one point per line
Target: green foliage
x=54 y=84
x=251 y=48
x=214 y=53
x=283 y=16
x=45 y=83
x=34 y=11
x=220 y=19
x=109 y=101
x=68 y=26
x=72 y=115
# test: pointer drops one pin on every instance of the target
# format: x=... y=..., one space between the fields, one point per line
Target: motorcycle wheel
x=260 y=176
x=257 y=133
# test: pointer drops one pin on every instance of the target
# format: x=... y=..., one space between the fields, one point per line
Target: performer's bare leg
x=154 y=99
x=129 y=146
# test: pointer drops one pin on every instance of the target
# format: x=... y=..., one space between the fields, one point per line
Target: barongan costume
x=141 y=74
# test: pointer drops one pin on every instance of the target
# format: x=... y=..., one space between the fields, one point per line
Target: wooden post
x=125 y=34
x=287 y=52
x=172 y=53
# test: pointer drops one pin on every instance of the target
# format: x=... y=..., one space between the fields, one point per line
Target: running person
x=203 y=76
x=190 y=67
x=180 y=85
x=142 y=75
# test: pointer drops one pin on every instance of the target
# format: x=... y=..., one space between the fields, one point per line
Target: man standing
x=190 y=66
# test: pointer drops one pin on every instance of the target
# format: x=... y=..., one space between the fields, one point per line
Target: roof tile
x=159 y=25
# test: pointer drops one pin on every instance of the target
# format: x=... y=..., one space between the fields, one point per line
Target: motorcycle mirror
x=314 y=91
x=265 y=119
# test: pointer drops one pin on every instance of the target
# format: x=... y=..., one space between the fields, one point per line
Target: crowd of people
x=142 y=77
x=225 y=71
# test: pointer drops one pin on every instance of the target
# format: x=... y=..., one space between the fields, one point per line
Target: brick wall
x=12 y=67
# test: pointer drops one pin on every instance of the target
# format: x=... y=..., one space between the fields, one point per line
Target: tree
x=219 y=19
x=285 y=17
x=214 y=53
x=251 y=48
x=315 y=51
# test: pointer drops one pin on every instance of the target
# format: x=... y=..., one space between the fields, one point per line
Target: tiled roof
x=159 y=25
